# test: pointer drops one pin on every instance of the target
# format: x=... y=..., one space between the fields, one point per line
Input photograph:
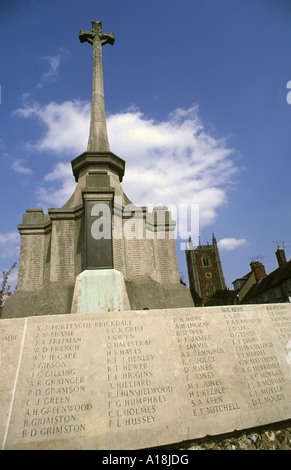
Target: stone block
x=11 y=343
x=141 y=379
x=19 y=305
x=34 y=217
x=52 y=299
x=177 y=295
x=145 y=293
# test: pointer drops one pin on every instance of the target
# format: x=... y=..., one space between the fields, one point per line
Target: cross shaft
x=98 y=138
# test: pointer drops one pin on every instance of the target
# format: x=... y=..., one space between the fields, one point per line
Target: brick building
x=274 y=287
x=257 y=287
x=204 y=270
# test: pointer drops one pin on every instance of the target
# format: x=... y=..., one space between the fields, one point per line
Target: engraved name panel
x=88 y=382
x=131 y=380
x=234 y=369
x=11 y=338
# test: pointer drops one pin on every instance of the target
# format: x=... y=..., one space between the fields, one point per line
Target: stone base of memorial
x=101 y=290
x=140 y=379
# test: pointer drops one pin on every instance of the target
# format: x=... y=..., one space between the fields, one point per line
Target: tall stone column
x=98 y=138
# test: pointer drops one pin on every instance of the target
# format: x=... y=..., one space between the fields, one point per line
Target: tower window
x=206 y=262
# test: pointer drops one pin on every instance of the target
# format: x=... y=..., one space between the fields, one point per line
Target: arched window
x=206 y=261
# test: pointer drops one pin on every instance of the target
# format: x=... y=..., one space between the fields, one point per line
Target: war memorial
x=103 y=348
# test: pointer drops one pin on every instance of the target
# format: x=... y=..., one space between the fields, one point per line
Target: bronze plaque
x=99 y=235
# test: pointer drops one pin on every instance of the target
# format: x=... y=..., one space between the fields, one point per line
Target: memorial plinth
x=101 y=290
x=139 y=379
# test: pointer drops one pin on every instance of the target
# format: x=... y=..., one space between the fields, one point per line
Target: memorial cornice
x=33 y=229
x=65 y=213
x=91 y=160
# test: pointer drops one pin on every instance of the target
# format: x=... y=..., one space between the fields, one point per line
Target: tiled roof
x=274 y=279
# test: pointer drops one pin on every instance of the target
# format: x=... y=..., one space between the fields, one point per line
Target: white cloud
x=172 y=162
x=50 y=75
x=60 y=172
x=9 y=244
x=57 y=188
x=54 y=65
x=66 y=126
x=229 y=244
x=169 y=162
x=20 y=168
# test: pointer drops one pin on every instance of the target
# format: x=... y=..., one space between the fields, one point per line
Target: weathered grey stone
x=54 y=298
x=51 y=299
x=137 y=379
x=98 y=139
x=57 y=247
x=11 y=342
x=177 y=295
x=19 y=305
x=145 y=293
x=148 y=293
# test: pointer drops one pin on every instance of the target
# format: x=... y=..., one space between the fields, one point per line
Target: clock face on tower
x=208 y=275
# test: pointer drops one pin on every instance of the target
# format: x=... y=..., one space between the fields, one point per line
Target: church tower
x=204 y=270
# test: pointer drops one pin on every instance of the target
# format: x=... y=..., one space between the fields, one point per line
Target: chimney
x=281 y=258
x=259 y=270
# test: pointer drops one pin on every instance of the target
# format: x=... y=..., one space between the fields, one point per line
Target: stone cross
x=98 y=138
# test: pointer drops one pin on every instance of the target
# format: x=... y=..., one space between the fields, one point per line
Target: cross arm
x=88 y=36
x=107 y=38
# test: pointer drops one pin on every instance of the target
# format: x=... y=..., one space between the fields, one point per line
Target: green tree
x=196 y=298
x=218 y=298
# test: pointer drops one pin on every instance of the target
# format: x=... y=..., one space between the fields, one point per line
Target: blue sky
x=196 y=103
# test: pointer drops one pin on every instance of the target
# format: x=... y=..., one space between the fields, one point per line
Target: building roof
x=272 y=280
x=243 y=278
x=233 y=294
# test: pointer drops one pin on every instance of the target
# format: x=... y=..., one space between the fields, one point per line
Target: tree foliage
x=219 y=297
x=5 y=289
